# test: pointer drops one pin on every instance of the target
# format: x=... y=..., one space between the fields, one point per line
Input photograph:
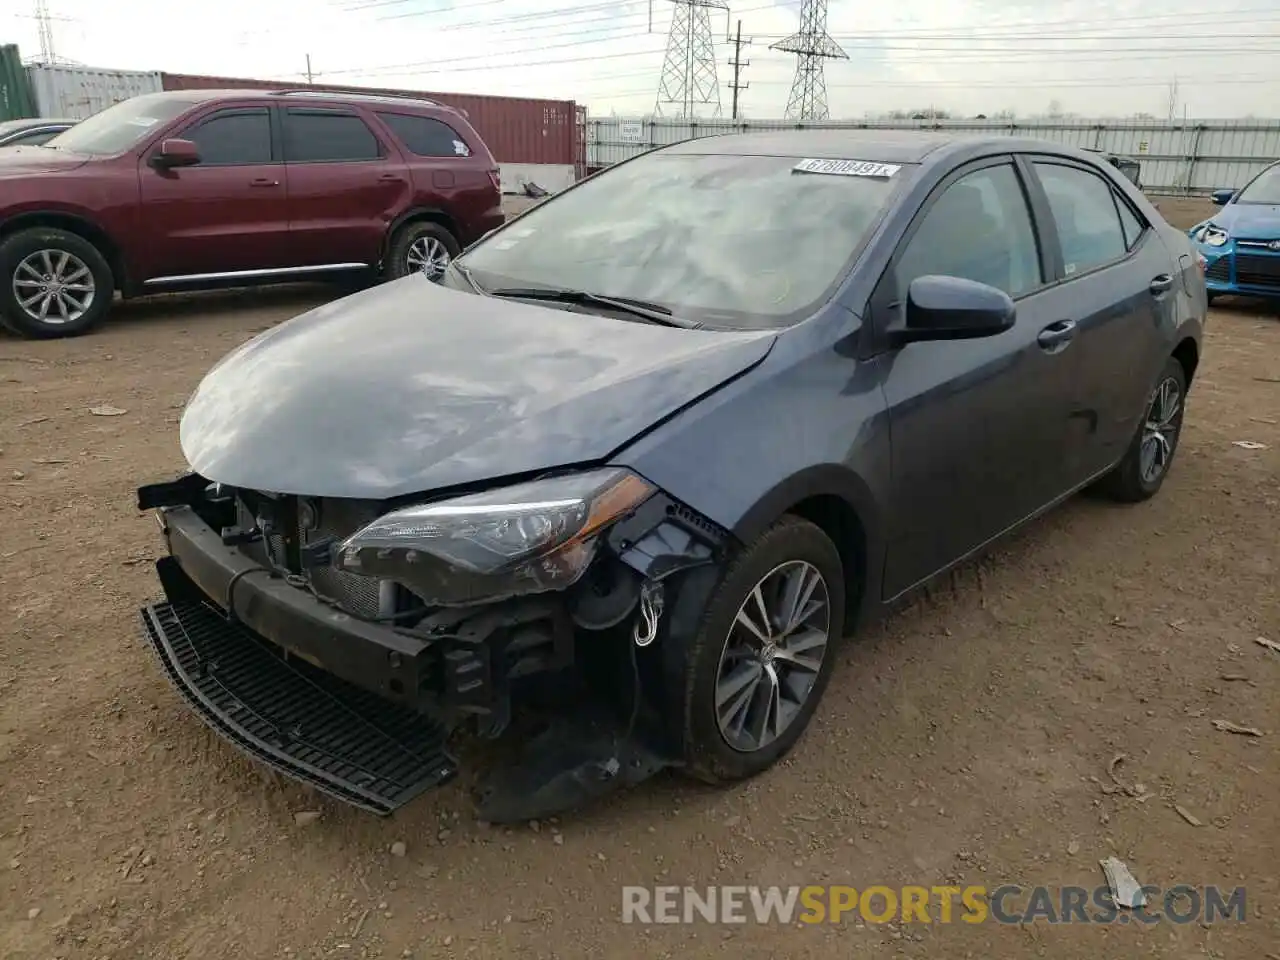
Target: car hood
x=410 y=387
x=1251 y=221
x=25 y=161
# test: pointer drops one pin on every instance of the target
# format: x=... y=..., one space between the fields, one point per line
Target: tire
x=1128 y=482
x=707 y=751
x=410 y=239
x=69 y=257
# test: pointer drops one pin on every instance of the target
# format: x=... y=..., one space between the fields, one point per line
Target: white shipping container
x=71 y=92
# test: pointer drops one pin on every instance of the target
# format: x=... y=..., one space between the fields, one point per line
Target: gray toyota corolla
x=613 y=492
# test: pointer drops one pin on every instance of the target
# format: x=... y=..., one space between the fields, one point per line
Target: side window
x=33 y=139
x=978 y=229
x=426 y=136
x=317 y=136
x=1085 y=210
x=1129 y=222
x=232 y=138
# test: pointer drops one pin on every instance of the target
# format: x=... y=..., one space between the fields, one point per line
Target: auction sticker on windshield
x=847 y=168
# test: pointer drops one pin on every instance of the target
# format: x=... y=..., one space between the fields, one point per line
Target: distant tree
x=1055 y=109
x=980 y=116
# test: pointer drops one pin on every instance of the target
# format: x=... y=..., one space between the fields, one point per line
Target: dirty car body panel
x=641 y=515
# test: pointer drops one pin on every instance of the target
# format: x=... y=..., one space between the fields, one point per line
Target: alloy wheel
x=427 y=255
x=54 y=287
x=1160 y=430
x=772 y=655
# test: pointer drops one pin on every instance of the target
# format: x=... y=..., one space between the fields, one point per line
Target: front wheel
x=1146 y=463
x=763 y=653
x=52 y=283
x=421 y=247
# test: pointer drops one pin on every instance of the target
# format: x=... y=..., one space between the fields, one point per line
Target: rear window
x=426 y=136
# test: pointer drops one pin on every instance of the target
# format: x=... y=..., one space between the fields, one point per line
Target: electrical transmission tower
x=44 y=22
x=811 y=45
x=689 y=69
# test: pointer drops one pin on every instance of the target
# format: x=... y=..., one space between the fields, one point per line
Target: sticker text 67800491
x=848 y=168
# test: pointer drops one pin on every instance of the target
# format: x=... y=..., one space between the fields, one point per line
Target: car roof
x=872 y=144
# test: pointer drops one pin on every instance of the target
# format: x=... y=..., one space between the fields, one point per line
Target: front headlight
x=515 y=540
x=1212 y=235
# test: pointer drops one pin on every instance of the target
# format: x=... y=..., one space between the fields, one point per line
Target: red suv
x=203 y=188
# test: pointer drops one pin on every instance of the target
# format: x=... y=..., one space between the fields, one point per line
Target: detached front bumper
x=358 y=710
x=362 y=710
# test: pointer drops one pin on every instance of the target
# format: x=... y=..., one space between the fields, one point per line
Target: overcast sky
x=1094 y=57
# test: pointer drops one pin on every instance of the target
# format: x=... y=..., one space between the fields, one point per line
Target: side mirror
x=952 y=308
x=176 y=153
x=1220 y=198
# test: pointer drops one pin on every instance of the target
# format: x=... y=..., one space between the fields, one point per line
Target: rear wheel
x=762 y=657
x=52 y=283
x=421 y=247
x=1146 y=463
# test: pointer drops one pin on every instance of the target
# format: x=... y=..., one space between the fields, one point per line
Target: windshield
x=1264 y=189
x=118 y=128
x=730 y=241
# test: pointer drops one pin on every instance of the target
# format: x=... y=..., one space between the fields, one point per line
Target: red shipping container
x=517 y=130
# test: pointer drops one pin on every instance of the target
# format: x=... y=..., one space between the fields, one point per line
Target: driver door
x=978 y=427
x=227 y=214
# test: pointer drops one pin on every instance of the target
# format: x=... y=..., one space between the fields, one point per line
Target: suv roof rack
x=351 y=95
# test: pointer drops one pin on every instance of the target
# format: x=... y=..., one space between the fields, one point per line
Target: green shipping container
x=16 y=99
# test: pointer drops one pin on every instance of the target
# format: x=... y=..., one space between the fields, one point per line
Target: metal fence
x=1191 y=157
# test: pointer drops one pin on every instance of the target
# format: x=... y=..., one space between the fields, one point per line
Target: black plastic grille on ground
x=311 y=726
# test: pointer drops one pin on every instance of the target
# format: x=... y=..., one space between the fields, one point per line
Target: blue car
x=1241 y=243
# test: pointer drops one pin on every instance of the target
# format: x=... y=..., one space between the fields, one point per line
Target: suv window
x=32 y=139
x=978 y=229
x=233 y=137
x=426 y=136
x=1084 y=206
x=317 y=136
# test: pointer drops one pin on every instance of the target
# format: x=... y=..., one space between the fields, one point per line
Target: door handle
x=264 y=182
x=1161 y=284
x=1056 y=336
x=391 y=178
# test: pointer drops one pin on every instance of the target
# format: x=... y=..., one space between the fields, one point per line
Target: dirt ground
x=965 y=740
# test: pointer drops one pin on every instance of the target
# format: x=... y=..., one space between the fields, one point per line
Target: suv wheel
x=52 y=283
x=421 y=247
x=763 y=654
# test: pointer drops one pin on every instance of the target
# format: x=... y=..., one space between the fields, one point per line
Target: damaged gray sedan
x=611 y=493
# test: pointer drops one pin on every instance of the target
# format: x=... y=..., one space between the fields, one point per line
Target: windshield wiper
x=653 y=312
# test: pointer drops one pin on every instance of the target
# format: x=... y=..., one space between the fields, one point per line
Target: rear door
x=1119 y=285
x=346 y=185
x=228 y=213
x=978 y=427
